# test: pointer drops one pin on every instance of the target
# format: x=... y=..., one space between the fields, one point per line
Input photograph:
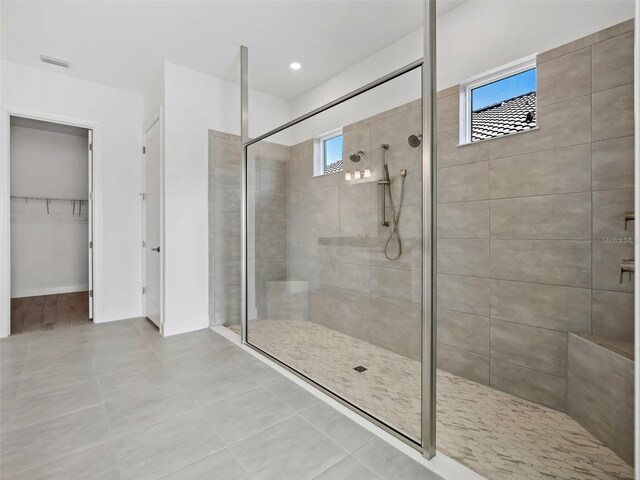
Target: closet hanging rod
x=50 y=199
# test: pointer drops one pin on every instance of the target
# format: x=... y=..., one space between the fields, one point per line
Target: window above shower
x=500 y=102
x=328 y=153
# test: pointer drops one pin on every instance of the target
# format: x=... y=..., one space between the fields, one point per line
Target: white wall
x=117 y=118
x=476 y=37
x=194 y=104
x=48 y=163
x=49 y=252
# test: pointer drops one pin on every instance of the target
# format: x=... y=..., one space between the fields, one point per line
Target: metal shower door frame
x=429 y=181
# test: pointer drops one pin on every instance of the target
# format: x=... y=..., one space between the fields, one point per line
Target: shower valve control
x=629 y=216
x=627 y=266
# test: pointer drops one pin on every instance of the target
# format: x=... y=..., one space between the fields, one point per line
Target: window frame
x=320 y=154
x=494 y=75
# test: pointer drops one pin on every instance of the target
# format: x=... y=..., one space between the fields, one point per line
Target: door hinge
x=90 y=195
x=90 y=243
x=144 y=244
x=144 y=290
x=142 y=195
x=91 y=147
x=144 y=149
x=91 y=293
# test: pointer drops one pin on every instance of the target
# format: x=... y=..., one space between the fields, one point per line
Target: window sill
x=497 y=138
x=327 y=174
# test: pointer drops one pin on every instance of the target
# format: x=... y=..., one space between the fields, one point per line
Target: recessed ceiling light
x=58 y=62
x=295 y=66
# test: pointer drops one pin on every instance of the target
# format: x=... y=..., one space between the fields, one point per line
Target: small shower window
x=499 y=103
x=329 y=153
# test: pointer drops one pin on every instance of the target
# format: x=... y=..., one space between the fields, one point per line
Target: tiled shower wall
x=337 y=243
x=268 y=180
x=531 y=226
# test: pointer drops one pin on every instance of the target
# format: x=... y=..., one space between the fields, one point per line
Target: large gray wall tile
x=463 y=219
x=558 y=262
x=560 y=124
x=613 y=62
x=613 y=31
x=609 y=207
x=394 y=130
x=448 y=113
x=529 y=384
x=556 y=217
x=612 y=112
x=613 y=314
x=463 y=182
x=547 y=306
x=463 y=363
x=532 y=347
x=396 y=283
x=395 y=325
x=562 y=50
x=464 y=294
x=564 y=77
x=612 y=163
x=602 y=373
x=561 y=170
x=464 y=331
x=463 y=257
x=613 y=429
x=450 y=153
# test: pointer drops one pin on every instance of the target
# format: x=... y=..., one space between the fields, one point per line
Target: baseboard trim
x=33 y=292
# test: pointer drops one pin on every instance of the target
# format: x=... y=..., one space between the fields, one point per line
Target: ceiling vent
x=55 y=61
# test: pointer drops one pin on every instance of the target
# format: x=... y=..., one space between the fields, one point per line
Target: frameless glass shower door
x=334 y=262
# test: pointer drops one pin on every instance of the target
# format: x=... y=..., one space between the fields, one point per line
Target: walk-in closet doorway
x=50 y=224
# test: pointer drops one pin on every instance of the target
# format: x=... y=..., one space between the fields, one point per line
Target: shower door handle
x=157 y=249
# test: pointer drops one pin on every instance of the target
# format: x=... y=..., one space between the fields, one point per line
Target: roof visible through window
x=504 y=106
x=332 y=148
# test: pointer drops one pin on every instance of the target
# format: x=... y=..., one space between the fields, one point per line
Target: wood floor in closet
x=48 y=312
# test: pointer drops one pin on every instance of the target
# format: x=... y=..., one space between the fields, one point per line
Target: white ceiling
x=124 y=43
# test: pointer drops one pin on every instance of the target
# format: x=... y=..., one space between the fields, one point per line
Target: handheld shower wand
x=395 y=218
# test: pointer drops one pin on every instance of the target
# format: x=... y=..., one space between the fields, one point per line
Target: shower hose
x=395 y=233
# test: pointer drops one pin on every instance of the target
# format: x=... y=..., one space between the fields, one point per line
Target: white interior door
x=151 y=198
x=90 y=221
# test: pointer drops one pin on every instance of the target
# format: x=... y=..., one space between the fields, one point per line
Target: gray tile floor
x=117 y=401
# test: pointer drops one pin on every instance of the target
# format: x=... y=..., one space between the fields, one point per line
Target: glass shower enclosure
x=335 y=256
x=337 y=249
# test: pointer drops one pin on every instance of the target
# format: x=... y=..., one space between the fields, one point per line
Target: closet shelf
x=50 y=199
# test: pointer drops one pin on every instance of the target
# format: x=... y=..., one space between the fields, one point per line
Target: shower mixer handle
x=627 y=266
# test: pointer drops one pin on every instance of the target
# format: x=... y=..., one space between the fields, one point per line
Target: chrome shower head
x=356 y=157
x=415 y=140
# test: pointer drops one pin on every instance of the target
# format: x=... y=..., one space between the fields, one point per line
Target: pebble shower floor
x=496 y=434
